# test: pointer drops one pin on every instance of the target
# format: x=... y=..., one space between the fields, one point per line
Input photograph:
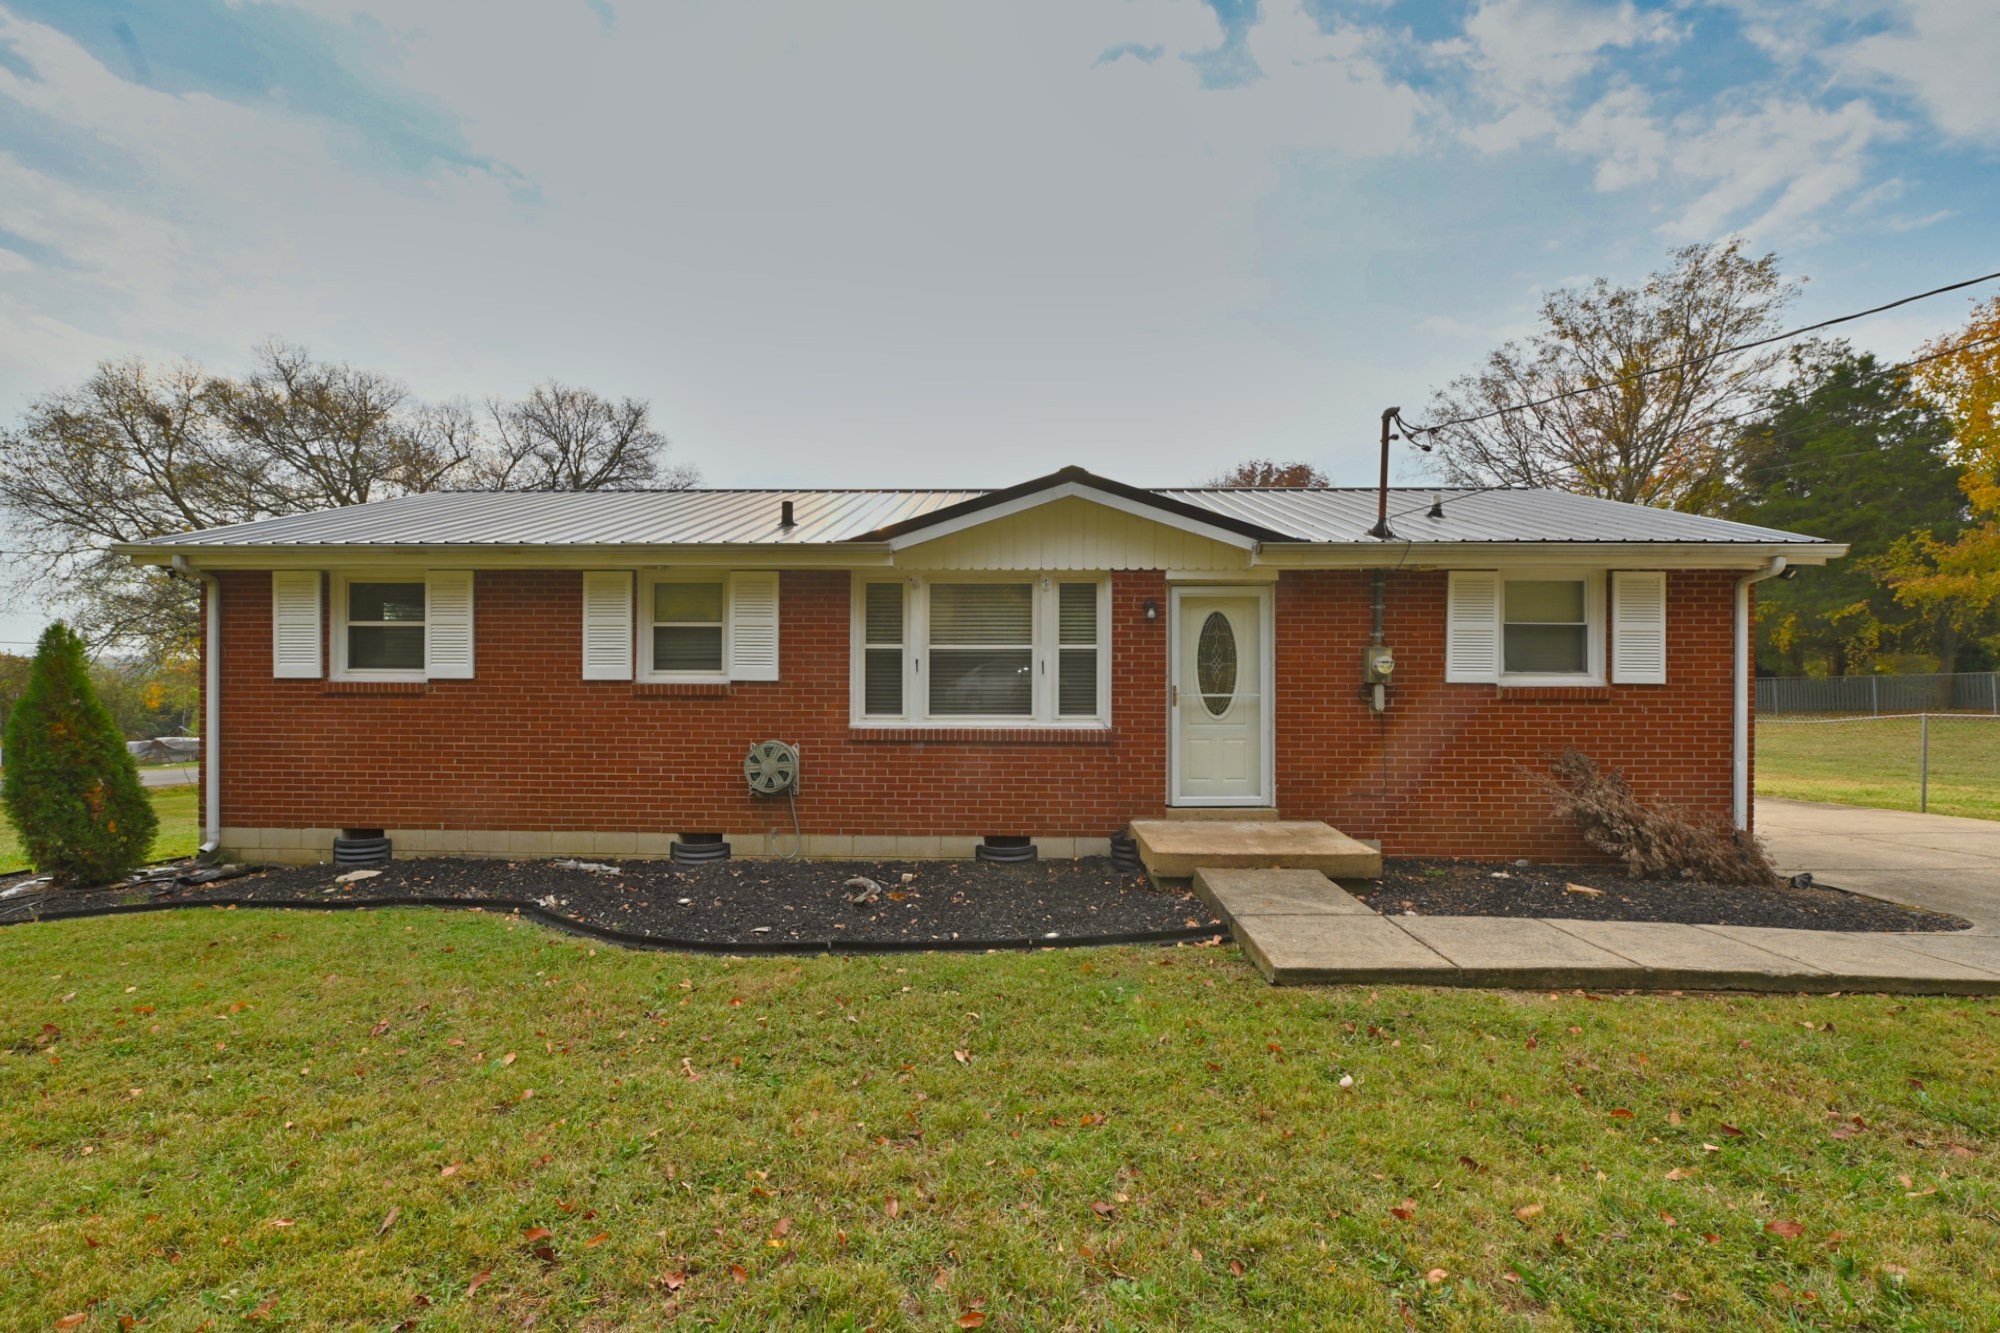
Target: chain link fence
x=1942 y=763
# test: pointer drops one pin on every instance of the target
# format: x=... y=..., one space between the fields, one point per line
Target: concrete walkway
x=1298 y=927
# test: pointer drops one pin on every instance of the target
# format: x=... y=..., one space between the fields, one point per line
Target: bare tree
x=562 y=438
x=137 y=451
x=1266 y=472
x=1658 y=439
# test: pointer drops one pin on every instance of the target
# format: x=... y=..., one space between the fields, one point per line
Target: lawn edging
x=653 y=943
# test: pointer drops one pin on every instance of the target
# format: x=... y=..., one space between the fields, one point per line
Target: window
x=1001 y=650
x=385 y=627
x=1547 y=628
x=686 y=628
x=1525 y=627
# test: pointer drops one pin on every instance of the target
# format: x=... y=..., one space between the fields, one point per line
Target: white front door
x=1221 y=697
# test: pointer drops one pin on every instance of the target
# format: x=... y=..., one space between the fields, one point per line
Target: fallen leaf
x=71 y=1320
x=1668 y=1218
x=891 y=1207
x=1732 y=1131
x=1583 y=889
x=507 y=1059
x=782 y=1228
x=1404 y=1211
x=1789 y=1230
x=963 y=1057
x=1620 y=1113
x=1917 y=1083
x=1528 y=1210
x=281 y=1221
x=485 y=1276
x=1236 y=1267
x=533 y=1234
x=1680 y=1173
x=379 y=1028
x=395 y=1211
x=1102 y=1209
x=739 y=1272
x=1435 y=1276
x=263 y=1309
x=451 y=1170
x=972 y=1319
x=674 y=1281
x=597 y=1240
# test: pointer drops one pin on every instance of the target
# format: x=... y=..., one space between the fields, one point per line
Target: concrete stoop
x=1299 y=928
x=1176 y=848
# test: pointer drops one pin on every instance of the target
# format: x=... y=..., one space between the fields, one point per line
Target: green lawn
x=232 y=1119
x=1874 y=761
x=179 y=833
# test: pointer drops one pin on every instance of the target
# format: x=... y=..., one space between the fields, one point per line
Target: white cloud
x=1946 y=55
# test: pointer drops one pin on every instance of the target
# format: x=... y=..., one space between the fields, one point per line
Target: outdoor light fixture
x=1152 y=609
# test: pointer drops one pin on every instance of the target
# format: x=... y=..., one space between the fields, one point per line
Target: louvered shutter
x=1472 y=627
x=448 y=624
x=295 y=624
x=1638 y=628
x=607 y=625
x=753 y=626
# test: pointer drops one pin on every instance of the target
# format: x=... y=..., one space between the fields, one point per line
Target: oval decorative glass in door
x=1215 y=663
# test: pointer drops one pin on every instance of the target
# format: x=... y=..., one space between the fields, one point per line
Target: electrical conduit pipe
x=211 y=705
x=1740 y=778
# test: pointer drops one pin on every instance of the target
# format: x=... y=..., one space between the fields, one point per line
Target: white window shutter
x=448 y=624
x=295 y=624
x=1638 y=628
x=753 y=626
x=607 y=625
x=1472 y=627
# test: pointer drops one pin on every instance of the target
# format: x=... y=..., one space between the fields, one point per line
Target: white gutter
x=211 y=705
x=1740 y=785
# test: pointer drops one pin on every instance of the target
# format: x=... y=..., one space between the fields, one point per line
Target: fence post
x=1924 y=767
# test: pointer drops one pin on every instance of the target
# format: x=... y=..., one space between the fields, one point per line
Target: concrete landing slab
x=1175 y=849
x=1880 y=962
x=1361 y=950
x=1694 y=958
x=1519 y=951
x=1234 y=893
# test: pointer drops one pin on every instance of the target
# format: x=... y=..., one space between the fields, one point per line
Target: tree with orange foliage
x=1267 y=472
x=1960 y=579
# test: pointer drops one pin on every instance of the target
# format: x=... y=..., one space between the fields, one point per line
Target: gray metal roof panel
x=742 y=517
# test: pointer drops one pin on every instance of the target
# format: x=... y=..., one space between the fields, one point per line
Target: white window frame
x=341 y=582
x=645 y=624
x=1593 y=633
x=1044 y=652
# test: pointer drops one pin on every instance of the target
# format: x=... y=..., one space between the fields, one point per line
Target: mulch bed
x=748 y=902
x=1496 y=888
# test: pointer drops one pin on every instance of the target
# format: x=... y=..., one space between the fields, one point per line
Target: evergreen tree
x=71 y=787
x=1851 y=451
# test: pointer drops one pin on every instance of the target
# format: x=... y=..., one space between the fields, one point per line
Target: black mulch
x=750 y=902
x=1496 y=888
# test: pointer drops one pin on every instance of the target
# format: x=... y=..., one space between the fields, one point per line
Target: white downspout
x=211 y=706
x=1740 y=785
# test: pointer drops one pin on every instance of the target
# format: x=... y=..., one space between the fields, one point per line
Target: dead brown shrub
x=1654 y=841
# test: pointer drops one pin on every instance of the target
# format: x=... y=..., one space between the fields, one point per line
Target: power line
x=1703 y=359
x=1743 y=416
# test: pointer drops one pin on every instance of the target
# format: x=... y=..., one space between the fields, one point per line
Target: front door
x=1221 y=697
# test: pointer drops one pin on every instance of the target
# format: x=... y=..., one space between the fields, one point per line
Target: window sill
x=981 y=735
x=681 y=689
x=1555 y=694
x=375 y=687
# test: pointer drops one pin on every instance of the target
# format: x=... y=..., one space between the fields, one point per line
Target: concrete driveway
x=1942 y=862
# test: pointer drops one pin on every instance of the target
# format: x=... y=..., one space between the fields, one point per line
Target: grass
x=234 y=1119
x=1875 y=761
x=179 y=833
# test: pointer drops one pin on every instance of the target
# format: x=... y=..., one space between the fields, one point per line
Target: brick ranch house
x=555 y=674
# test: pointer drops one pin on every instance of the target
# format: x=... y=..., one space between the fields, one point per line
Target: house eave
x=1495 y=555
x=366 y=555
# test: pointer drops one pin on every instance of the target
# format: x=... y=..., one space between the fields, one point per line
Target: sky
x=918 y=243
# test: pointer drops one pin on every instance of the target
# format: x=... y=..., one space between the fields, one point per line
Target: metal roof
x=823 y=517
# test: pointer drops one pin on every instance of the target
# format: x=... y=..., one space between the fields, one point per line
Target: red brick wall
x=1446 y=771
x=528 y=745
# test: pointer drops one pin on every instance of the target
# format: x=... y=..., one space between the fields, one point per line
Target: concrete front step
x=1175 y=849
